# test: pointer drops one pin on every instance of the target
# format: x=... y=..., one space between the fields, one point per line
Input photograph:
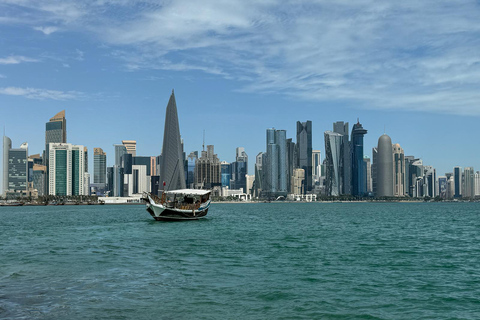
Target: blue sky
x=239 y=67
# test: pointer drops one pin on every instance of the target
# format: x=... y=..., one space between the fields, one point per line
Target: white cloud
x=80 y=55
x=41 y=94
x=405 y=55
x=16 y=60
x=46 y=30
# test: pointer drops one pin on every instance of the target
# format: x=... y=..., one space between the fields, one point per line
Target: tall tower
x=66 y=169
x=304 y=152
x=99 y=166
x=275 y=164
x=171 y=164
x=55 y=132
x=385 y=167
x=56 y=129
x=358 y=173
x=7 y=145
x=333 y=153
x=345 y=158
x=398 y=171
x=457 y=180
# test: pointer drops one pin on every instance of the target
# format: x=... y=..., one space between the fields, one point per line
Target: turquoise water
x=245 y=261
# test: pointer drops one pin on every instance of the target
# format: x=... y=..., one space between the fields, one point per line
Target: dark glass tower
x=358 y=173
x=304 y=152
x=345 y=158
x=171 y=162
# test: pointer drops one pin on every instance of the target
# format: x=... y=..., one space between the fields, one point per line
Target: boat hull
x=160 y=213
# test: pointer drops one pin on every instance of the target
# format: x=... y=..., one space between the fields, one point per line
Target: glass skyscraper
x=333 y=160
x=304 y=152
x=275 y=164
x=358 y=172
x=66 y=169
x=345 y=186
x=99 y=166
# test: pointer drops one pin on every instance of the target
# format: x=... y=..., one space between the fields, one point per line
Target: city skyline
x=239 y=70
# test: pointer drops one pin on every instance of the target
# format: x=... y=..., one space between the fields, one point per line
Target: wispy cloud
x=46 y=30
x=2 y=76
x=17 y=60
x=41 y=94
x=415 y=55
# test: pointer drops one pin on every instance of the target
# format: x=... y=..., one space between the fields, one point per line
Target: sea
x=244 y=261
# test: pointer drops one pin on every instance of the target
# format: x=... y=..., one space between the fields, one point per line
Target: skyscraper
x=226 y=173
x=55 y=132
x=385 y=167
x=345 y=186
x=457 y=180
x=275 y=164
x=316 y=165
x=56 y=129
x=99 y=166
x=469 y=183
x=208 y=169
x=374 y=170
x=191 y=159
x=7 y=145
x=333 y=155
x=239 y=169
x=131 y=146
x=66 y=169
x=398 y=171
x=304 y=152
x=368 y=174
x=358 y=173
x=17 y=169
x=171 y=162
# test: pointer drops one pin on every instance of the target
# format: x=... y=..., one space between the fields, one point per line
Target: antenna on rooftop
x=203 y=145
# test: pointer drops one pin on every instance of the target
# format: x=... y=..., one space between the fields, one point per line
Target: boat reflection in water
x=177 y=205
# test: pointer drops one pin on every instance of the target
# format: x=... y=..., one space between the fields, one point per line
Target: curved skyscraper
x=333 y=153
x=385 y=167
x=171 y=163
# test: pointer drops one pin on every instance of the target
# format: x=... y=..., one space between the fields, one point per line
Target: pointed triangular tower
x=171 y=163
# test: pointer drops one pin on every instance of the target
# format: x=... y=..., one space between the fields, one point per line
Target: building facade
x=398 y=171
x=66 y=169
x=99 y=166
x=384 y=167
x=333 y=162
x=358 y=170
x=304 y=153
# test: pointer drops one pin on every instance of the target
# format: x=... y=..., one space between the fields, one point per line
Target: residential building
x=66 y=169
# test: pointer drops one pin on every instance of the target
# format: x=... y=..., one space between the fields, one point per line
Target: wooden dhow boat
x=178 y=205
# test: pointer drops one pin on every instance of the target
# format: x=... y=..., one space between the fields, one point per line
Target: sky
x=407 y=68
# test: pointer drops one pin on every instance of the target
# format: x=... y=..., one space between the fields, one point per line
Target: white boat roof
x=196 y=192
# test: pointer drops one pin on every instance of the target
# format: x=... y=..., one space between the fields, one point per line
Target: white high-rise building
x=316 y=165
x=66 y=169
x=477 y=183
